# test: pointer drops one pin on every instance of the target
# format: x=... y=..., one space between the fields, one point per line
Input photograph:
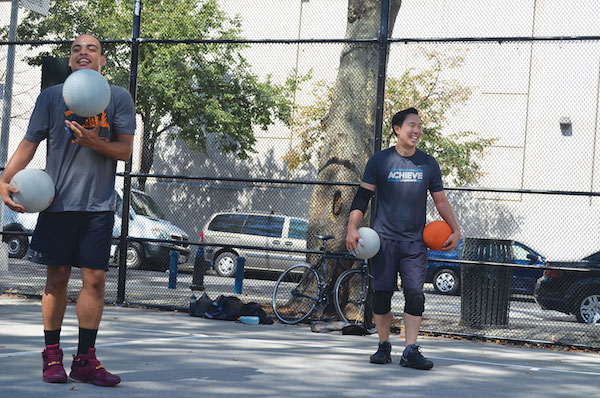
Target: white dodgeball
x=86 y=92
x=370 y=243
x=36 y=189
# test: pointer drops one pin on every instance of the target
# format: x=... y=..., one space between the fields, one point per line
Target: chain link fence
x=232 y=114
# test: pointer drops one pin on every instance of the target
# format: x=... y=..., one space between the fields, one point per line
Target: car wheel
x=135 y=256
x=588 y=308
x=446 y=281
x=17 y=246
x=226 y=264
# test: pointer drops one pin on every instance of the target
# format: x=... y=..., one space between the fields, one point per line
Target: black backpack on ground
x=224 y=307
x=202 y=306
x=254 y=309
x=230 y=308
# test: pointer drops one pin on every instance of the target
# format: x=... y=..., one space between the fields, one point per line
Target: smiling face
x=86 y=53
x=409 y=134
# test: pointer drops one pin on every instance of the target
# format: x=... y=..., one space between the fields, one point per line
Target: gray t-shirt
x=402 y=185
x=84 y=179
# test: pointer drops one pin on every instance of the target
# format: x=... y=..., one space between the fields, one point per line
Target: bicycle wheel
x=294 y=301
x=350 y=298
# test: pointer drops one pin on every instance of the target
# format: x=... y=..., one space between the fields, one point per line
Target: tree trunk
x=350 y=127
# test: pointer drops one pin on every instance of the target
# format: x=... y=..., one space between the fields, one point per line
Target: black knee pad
x=382 y=302
x=414 y=301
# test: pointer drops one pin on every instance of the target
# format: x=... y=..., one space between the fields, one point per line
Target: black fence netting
x=241 y=118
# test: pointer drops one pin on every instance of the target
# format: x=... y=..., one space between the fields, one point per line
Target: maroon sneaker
x=87 y=369
x=53 y=371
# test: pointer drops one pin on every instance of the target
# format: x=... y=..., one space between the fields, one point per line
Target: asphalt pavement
x=443 y=313
x=162 y=353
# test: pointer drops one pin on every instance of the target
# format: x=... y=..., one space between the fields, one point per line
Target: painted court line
x=508 y=365
x=187 y=336
x=122 y=343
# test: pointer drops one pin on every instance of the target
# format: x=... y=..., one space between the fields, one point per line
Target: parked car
x=445 y=276
x=571 y=291
x=147 y=221
x=18 y=222
x=246 y=228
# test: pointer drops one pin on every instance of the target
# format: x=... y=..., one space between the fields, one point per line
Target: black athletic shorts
x=409 y=259
x=76 y=238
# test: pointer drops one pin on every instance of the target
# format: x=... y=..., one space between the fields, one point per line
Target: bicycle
x=353 y=294
x=294 y=302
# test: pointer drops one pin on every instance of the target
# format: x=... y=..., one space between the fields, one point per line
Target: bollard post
x=193 y=301
x=174 y=257
x=239 y=275
x=200 y=267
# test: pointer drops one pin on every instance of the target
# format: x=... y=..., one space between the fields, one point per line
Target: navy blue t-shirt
x=402 y=184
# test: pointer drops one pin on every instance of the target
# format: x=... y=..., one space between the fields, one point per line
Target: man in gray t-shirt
x=401 y=176
x=76 y=230
x=84 y=178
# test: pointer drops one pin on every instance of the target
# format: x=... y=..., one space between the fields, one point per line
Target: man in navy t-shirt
x=76 y=230
x=401 y=176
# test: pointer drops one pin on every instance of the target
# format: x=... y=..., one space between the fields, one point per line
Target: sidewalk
x=160 y=354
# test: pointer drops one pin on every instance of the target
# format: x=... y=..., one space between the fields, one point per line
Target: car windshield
x=143 y=205
x=298 y=229
x=595 y=257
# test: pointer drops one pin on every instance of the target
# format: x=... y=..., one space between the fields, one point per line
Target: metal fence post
x=135 y=34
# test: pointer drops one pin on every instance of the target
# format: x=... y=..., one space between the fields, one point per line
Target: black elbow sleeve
x=361 y=199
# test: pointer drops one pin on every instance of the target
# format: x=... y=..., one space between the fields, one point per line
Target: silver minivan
x=233 y=229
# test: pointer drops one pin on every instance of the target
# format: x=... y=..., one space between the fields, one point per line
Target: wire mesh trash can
x=485 y=291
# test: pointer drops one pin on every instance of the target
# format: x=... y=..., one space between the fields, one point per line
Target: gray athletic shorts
x=409 y=259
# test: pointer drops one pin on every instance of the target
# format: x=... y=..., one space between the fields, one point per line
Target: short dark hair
x=88 y=34
x=399 y=117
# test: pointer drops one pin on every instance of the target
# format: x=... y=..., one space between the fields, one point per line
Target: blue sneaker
x=383 y=354
x=412 y=358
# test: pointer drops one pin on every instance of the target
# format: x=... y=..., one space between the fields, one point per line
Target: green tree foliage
x=425 y=90
x=191 y=91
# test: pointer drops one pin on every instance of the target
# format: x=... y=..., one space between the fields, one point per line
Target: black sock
x=87 y=339
x=52 y=336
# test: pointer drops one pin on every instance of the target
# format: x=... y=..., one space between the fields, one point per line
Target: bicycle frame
x=322 y=281
x=294 y=304
x=303 y=302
